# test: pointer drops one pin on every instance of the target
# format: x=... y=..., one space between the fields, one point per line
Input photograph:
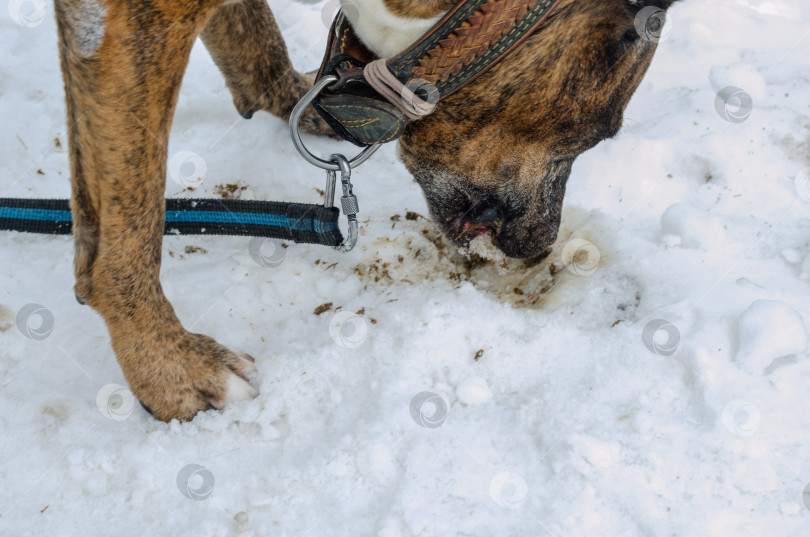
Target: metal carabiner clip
x=348 y=201
x=336 y=163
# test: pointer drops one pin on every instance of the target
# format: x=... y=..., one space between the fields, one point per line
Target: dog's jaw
x=384 y=33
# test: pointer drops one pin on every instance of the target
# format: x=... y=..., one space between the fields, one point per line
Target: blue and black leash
x=296 y=222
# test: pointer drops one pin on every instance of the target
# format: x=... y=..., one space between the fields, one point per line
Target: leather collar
x=373 y=98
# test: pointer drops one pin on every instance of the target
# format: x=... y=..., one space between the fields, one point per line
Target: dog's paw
x=194 y=374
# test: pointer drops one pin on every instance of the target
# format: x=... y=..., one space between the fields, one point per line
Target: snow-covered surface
x=658 y=386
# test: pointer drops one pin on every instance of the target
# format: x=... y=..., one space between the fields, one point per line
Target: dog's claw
x=242 y=354
x=244 y=105
x=237 y=390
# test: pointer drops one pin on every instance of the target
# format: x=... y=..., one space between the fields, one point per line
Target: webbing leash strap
x=296 y=222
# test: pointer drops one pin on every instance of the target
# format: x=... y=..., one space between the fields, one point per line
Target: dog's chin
x=521 y=241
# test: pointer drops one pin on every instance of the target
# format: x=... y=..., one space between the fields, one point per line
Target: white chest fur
x=86 y=18
x=384 y=33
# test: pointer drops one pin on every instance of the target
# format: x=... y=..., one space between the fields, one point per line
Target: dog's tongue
x=469 y=231
x=477 y=229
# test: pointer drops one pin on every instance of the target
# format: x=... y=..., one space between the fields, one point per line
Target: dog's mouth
x=462 y=227
x=521 y=219
x=516 y=234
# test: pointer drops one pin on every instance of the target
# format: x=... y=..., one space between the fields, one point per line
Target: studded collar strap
x=373 y=98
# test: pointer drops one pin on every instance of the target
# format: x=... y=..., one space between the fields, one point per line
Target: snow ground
x=662 y=392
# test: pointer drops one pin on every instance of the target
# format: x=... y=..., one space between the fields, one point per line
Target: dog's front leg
x=247 y=46
x=122 y=64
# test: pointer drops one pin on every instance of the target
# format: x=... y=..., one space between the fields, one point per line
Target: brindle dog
x=500 y=148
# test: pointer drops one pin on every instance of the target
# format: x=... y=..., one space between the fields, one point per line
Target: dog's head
x=495 y=156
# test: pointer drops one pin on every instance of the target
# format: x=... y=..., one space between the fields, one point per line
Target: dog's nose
x=490 y=217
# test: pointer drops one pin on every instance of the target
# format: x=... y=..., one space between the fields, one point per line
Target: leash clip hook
x=348 y=201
